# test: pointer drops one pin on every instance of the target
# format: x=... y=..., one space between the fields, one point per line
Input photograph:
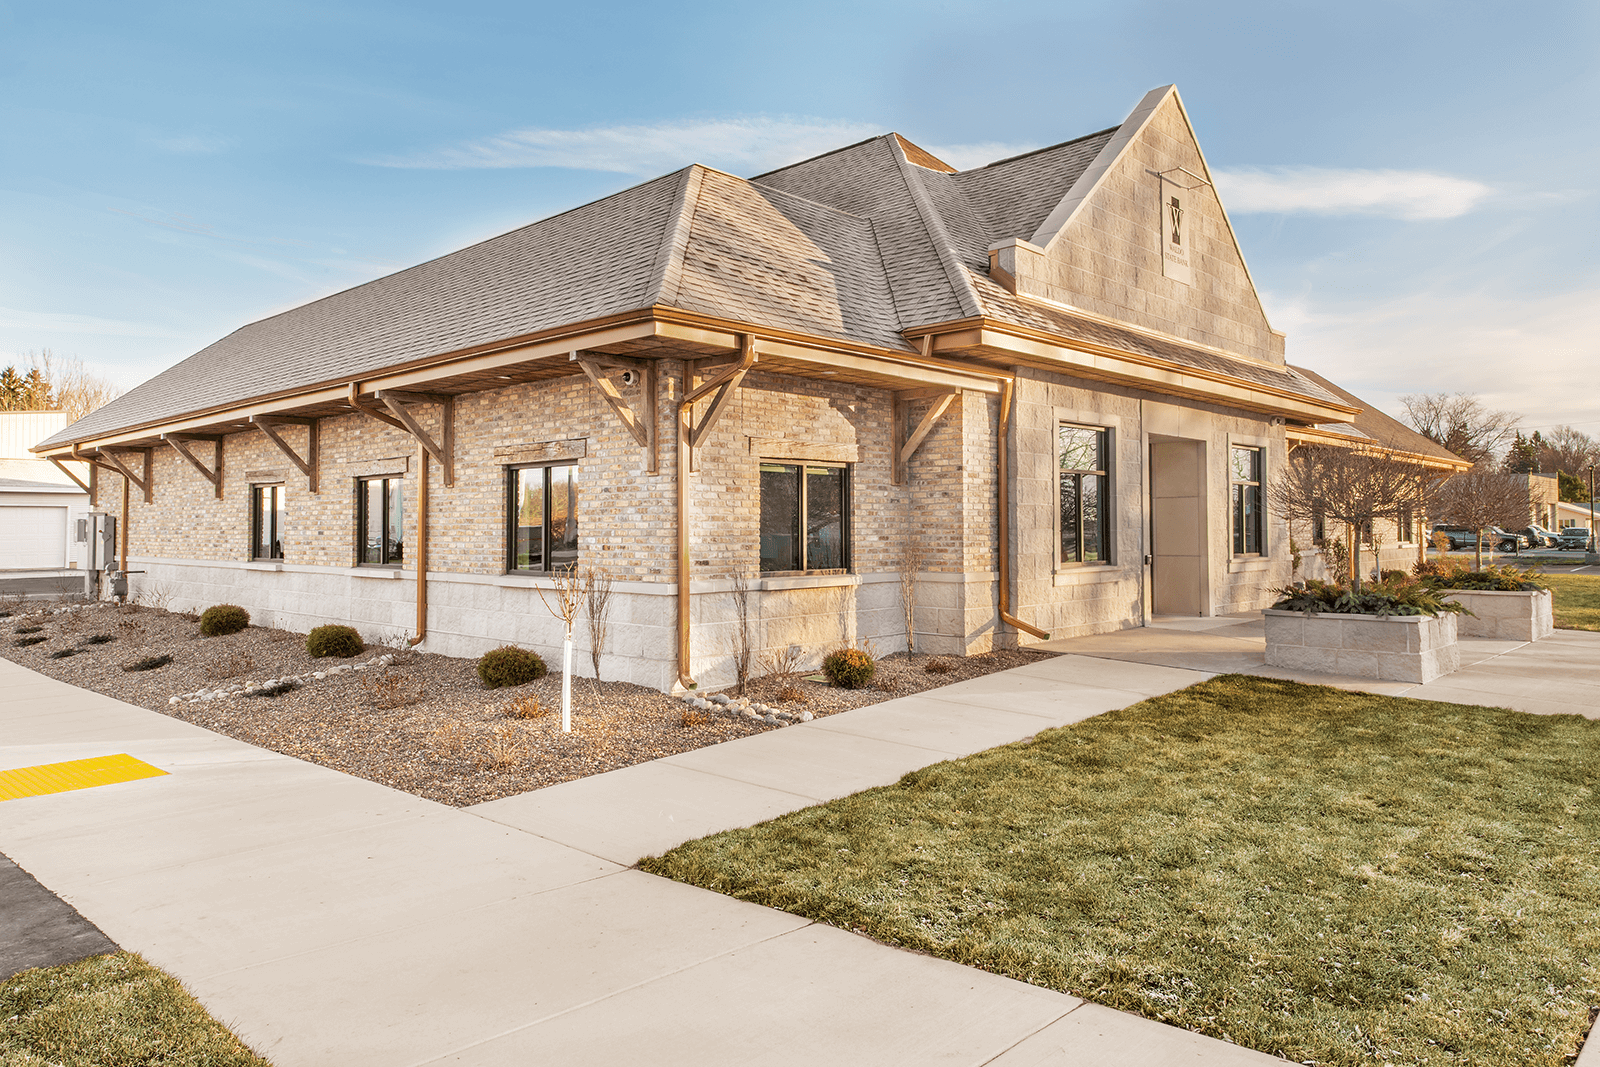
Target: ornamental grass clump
x=222 y=619
x=1502 y=579
x=849 y=668
x=333 y=640
x=1392 y=595
x=509 y=665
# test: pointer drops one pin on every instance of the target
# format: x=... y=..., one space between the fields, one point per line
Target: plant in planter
x=1505 y=603
x=1396 y=628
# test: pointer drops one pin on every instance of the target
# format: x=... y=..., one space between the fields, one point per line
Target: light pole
x=1591 y=556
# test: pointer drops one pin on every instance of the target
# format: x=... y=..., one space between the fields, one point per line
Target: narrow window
x=1245 y=476
x=1407 y=530
x=1085 y=494
x=267 y=521
x=543 y=511
x=805 y=517
x=1319 y=525
x=380 y=522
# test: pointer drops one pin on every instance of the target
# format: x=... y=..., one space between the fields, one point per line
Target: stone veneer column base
x=1396 y=648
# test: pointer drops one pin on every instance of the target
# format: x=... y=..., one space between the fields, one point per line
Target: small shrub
x=1506 y=579
x=938 y=666
x=222 y=619
x=99 y=639
x=527 y=708
x=509 y=665
x=1392 y=596
x=387 y=690
x=149 y=663
x=789 y=693
x=276 y=689
x=29 y=629
x=340 y=641
x=849 y=668
x=24 y=642
x=694 y=717
x=504 y=748
x=451 y=738
x=63 y=653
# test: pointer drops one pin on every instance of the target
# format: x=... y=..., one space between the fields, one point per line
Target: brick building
x=1046 y=385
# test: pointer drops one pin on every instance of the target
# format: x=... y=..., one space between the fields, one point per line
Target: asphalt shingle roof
x=859 y=244
x=1384 y=429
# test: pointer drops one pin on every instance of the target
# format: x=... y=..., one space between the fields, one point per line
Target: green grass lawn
x=1336 y=877
x=1577 y=600
x=110 y=1011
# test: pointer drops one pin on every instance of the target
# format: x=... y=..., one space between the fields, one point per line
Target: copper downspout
x=1007 y=387
x=422 y=545
x=690 y=395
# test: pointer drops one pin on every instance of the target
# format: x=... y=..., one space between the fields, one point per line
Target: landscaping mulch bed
x=424 y=724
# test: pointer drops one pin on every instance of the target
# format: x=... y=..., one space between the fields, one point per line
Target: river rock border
x=250 y=689
x=745 y=708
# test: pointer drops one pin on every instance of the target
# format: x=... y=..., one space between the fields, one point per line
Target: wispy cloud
x=1402 y=194
x=747 y=145
x=982 y=153
x=48 y=322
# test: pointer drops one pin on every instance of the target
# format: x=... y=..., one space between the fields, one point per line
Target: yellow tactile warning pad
x=73 y=774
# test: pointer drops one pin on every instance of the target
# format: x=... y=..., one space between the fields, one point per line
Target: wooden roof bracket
x=442 y=450
x=355 y=401
x=724 y=385
x=268 y=424
x=63 y=468
x=906 y=446
x=642 y=425
x=146 y=484
x=180 y=443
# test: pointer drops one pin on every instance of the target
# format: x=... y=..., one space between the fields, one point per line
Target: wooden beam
x=353 y=398
x=617 y=402
x=63 y=468
x=908 y=448
x=606 y=359
x=180 y=443
x=145 y=484
x=396 y=401
x=725 y=385
x=652 y=399
x=269 y=425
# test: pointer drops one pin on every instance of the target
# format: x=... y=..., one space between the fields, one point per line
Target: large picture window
x=543 y=510
x=1244 y=474
x=267 y=520
x=1085 y=479
x=805 y=512
x=380 y=522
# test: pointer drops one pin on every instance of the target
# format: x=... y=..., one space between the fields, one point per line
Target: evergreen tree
x=1523 y=456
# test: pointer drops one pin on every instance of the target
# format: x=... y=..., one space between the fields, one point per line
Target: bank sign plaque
x=1176 y=231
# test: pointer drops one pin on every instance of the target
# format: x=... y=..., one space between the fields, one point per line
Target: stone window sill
x=1249 y=564
x=373 y=571
x=819 y=580
x=264 y=565
x=1092 y=574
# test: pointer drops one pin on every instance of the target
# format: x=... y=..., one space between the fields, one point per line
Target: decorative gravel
x=414 y=721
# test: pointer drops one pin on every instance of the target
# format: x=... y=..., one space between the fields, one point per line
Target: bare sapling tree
x=1481 y=498
x=569 y=597
x=743 y=637
x=597 y=609
x=1357 y=487
x=913 y=556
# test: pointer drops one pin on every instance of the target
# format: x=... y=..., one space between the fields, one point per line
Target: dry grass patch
x=111 y=1011
x=1335 y=877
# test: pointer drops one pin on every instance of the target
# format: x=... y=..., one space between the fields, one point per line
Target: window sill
x=374 y=570
x=1249 y=564
x=1092 y=574
x=823 y=580
x=264 y=565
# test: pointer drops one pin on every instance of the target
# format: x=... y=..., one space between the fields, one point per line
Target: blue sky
x=1414 y=184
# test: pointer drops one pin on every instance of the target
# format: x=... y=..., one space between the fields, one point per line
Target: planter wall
x=1513 y=616
x=1395 y=648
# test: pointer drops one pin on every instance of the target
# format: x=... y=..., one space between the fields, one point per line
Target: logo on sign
x=1174 y=250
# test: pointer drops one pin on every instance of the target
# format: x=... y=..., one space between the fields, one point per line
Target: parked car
x=1462 y=538
x=1540 y=536
x=1575 y=537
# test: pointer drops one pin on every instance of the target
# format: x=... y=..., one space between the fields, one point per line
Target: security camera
x=629 y=377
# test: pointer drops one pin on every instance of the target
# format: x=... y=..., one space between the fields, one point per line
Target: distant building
x=40 y=504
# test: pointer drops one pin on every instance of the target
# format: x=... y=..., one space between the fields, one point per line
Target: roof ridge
x=835 y=208
x=1040 y=151
x=933 y=224
x=666 y=276
x=820 y=155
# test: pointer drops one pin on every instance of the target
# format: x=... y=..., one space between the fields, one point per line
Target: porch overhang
x=1311 y=435
x=995 y=344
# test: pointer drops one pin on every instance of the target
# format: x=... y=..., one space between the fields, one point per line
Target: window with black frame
x=380 y=522
x=268 y=515
x=1085 y=482
x=1244 y=476
x=542 y=505
x=805 y=517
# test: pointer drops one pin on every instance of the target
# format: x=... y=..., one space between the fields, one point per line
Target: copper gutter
x=1007 y=388
x=690 y=395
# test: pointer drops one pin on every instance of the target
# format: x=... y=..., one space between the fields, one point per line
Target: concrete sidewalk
x=330 y=920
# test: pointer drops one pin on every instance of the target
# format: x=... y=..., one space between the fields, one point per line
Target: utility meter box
x=103 y=542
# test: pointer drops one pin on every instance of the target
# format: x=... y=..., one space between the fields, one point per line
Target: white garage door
x=32 y=538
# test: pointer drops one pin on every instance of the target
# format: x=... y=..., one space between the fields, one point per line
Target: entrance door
x=1177 y=527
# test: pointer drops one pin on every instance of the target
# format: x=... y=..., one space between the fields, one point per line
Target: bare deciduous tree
x=1461 y=423
x=1483 y=497
x=1351 y=486
x=1569 y=450
x=912 y=557
x=597 y=593
x=569 y=597
x=55 y=383
x=743 y=637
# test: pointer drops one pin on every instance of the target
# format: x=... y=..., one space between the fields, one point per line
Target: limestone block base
x=1395 y=648
x=1506 y=616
